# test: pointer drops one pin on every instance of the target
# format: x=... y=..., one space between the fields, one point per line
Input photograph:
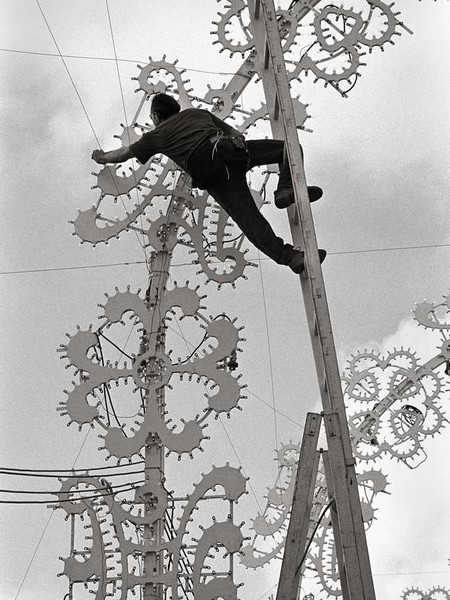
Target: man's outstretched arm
x=113 y=156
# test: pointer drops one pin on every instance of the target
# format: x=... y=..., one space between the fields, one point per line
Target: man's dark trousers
x=222 y=167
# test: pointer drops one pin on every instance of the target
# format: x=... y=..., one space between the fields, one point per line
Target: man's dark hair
x=165 y=106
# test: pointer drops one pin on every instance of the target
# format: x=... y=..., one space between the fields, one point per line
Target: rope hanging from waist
x=215 y=140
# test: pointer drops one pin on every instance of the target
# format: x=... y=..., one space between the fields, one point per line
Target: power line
x=55 y=493
x=122 y=352
x=74 y=268
x=72 y=472
x=86 y=113
x=311 y=537
x=117 y=65
x=269 y=350
x=33 y=555
x=81 y=448
x=105 y=58
x=47 y=523
x=413 y=573
x=387 y=249
x=68 y=73
x=369 y=250
x=56 y=476
x=126 y=121
x=218 y=416
x=52 y=502
x=240 y=463
x=189 y=264
x=276 y=410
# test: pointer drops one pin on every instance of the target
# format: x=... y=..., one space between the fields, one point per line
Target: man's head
x=163 y=107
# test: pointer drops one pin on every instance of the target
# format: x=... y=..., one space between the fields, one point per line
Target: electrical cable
x=50 y=269
x=269 y=350
x=100 y=360
x=68 y=73
x=71 y=472
x=311 y=539
x=390 y=249
x=87 y=117
x=55 y=476
x=268 y=591
x=370 y=250
x=81 y=447
x=34 y=554
x=106 y=391
x=130 y=60
x=108 y=394
x=128 y=487
x=38 y=492
x=240 y=463
x=278 y=411
x=117 y=67
x=352 y=85
x=104 y=387
x=194 y=350
x=221 y=422
x=100 y=333
x=47 y=523
x=52 y=502
x=395 y=573
x=125 y=117
x=190 y=264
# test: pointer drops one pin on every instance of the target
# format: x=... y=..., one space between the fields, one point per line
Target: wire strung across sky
x=136 y=188
x=77 y=472
x=269 y=352
x=141 y=243
x=142 y=262
x=108 y=59
x=82 y=474
x=108 y=488
x=14 y=473
x=52 y=502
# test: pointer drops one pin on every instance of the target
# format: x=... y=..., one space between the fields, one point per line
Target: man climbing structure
x=218 y=157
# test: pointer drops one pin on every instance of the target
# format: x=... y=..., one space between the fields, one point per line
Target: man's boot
x=284 y=198
x=297 y=260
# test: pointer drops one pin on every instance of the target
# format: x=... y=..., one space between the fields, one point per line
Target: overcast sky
x=382 y=158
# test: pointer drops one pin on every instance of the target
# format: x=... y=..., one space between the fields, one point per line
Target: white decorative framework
x=151 y=371
x=394 y=407
x=434 y=593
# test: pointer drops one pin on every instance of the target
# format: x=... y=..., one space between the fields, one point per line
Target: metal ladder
x=351 y=546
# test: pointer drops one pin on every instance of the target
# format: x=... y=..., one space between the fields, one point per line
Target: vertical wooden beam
x=336 y=531
x=301 y=509
x=350 y=524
